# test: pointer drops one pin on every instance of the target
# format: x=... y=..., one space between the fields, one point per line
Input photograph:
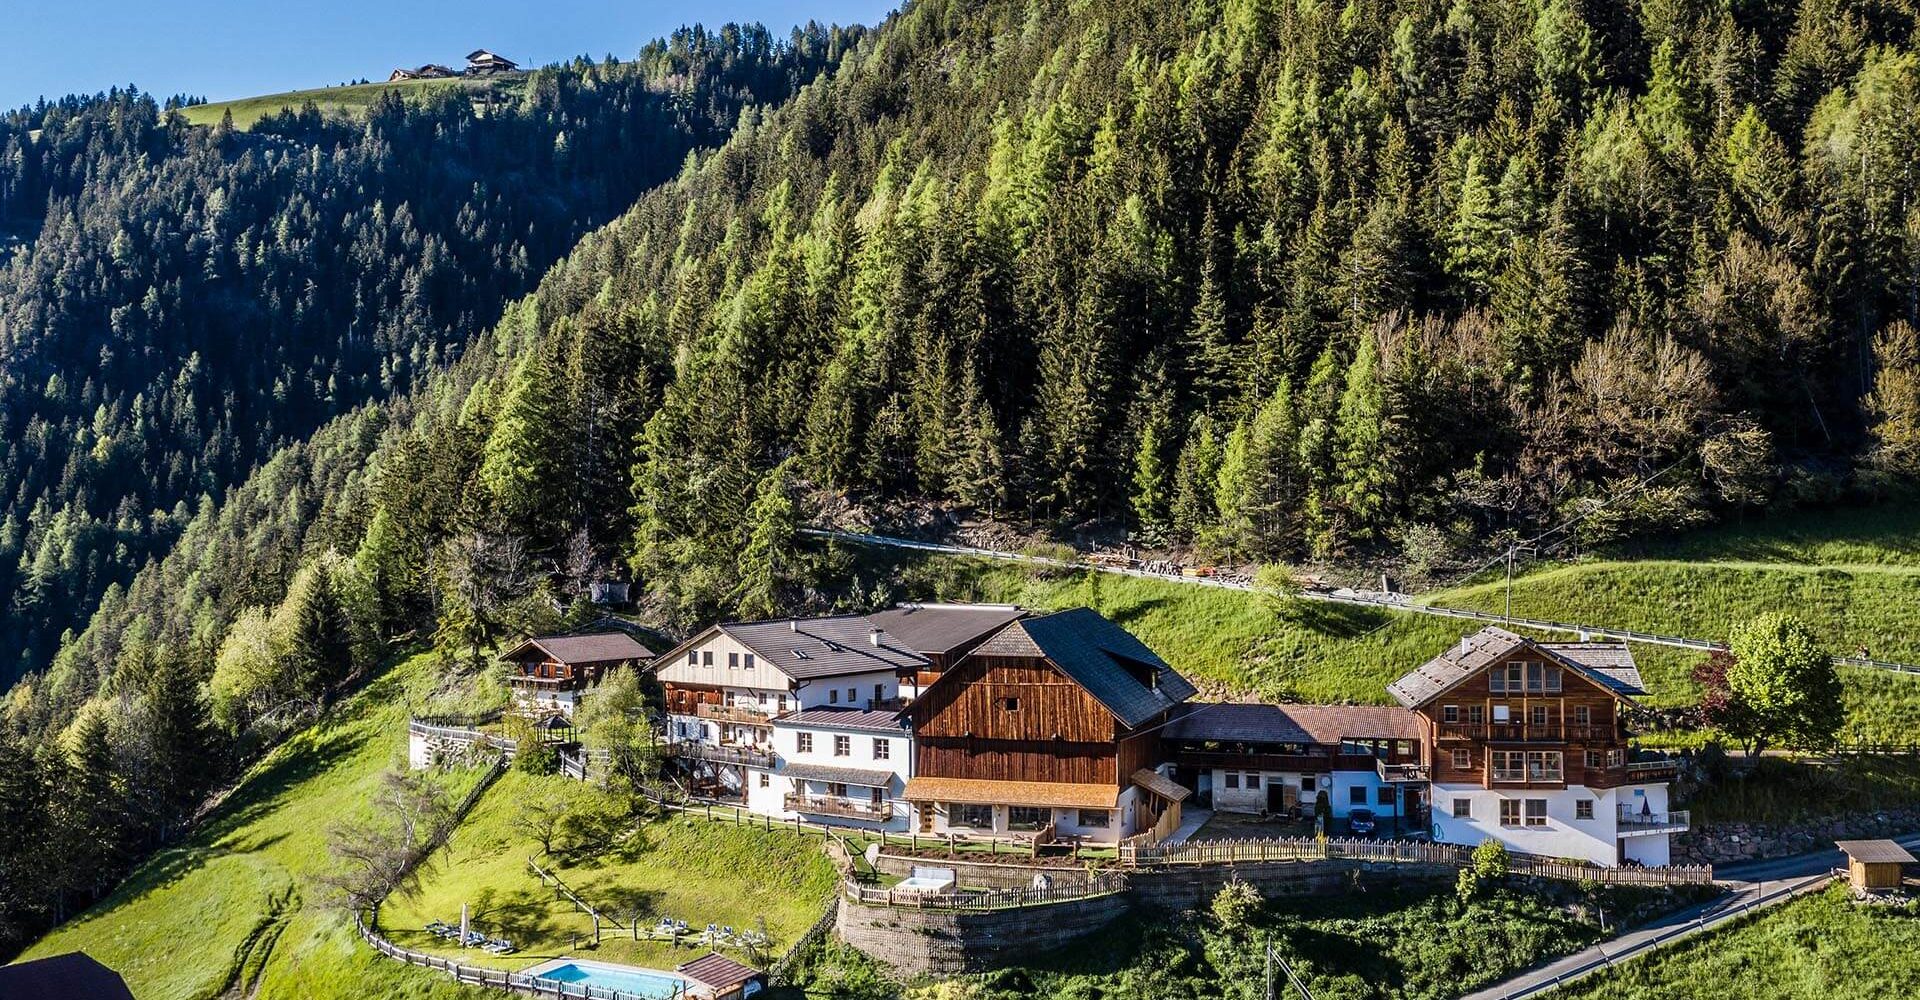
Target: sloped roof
x=717 y=972
x=1096 y=653
x=1609 y=665
x=940 y=628
x=1316 y=724
x=72 y=976
x=1876 y=852
x=877 y=720
x=844 y=775
x=982 y=791
x=832 y=646
x=1161 y=785
x=591 y=647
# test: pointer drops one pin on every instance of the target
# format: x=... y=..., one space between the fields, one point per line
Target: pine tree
x=768 y=560
x=1364 y=490
x=1194 y=479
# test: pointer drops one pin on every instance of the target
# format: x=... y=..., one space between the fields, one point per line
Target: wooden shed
x=1875 y=865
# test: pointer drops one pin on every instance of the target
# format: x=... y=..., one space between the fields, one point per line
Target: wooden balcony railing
x=1520 y=732
x=1528 y=775
x=731 y=713
x=834 y=805
x=695 y=750
x=1400 y=772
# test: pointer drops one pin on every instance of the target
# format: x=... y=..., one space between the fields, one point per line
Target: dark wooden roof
x=1313 y=724
x=941 y=628
x=73 y=976
x=1876 y=852
x=717 y=972
x=592 y=647
x=1098 y=655
x=833 y=646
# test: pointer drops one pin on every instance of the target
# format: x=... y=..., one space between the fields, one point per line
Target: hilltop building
x=550 y=672
x=431 y=71
x=481 y=62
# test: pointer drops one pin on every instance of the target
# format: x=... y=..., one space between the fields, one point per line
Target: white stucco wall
x=1564 y=835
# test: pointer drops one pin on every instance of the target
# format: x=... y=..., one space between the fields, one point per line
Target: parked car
x=1360 y=822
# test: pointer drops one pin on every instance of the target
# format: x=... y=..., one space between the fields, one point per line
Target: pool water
x=626 y=979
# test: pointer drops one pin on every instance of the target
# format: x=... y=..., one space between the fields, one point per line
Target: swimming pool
x=650 y=983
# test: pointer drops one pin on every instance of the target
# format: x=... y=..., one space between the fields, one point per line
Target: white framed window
x=842 y=745
x=1253 y=779
x=693 y=657
x=882 y=748
x=1509 y=812
x=1307 y=783
x=853 y=696
x=1539 y=715
x=1502 y=713
x=749 y=661
x=1233 y=779
x=1449 y=713
x=1462 y=808
x=1583 y=715
x=1096 y=818
x=1463 y=760
x=706 y=657
x=970 y=814
x=766 y=780
x=733 y=661
x=1536 y=812
x=833 y=696
x=804 y=742
x=1583 y=809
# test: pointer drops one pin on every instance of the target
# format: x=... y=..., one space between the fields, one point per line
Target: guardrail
x=1102 y=884
x=1362 y=598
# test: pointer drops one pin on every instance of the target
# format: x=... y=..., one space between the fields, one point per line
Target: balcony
x=1527 y=732
x=1233 y=760
x=732 y=713
x=1634 y=823
x=1528 y=775
x=1395 y=773
x=748 y=756
x=831 y=805
x=1653 y=770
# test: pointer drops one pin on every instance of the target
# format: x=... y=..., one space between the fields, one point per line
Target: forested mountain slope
x=190 y=299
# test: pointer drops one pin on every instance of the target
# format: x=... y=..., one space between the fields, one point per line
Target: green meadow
x=351 y=99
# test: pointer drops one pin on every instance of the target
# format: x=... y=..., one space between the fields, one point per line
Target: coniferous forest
x=1281 y=280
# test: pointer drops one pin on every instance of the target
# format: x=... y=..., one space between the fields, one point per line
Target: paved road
x=1753 y=885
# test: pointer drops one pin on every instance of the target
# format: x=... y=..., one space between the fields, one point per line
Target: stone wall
x=944 y=942
x=1722 y=843
x=947 y=942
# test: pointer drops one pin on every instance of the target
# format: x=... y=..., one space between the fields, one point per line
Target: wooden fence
x=549 y=878
x=499 y=979
x=1227 y=852
x=1100 y=884
x=782 y=972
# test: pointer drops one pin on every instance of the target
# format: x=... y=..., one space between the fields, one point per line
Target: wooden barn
x=1048 y=730
x=480 y=62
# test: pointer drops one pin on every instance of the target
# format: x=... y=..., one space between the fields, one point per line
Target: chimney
x=874 y=638
x=793 y=624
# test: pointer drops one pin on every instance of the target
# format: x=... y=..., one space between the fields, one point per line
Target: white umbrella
x=463 y=925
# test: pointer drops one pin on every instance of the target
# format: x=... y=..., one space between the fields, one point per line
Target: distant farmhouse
x=431 y=71
x=480 y=62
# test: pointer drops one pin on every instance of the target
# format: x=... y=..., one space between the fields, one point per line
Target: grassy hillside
x=351 y=98
x=693 y=870
x=1817 y=948
x=237 y=901
x=1699 y=586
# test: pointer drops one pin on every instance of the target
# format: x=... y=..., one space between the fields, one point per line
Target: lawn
x=1822 y=947
x=237 y=899
x=692 y=869
x=1232 y=642
x=352 y=99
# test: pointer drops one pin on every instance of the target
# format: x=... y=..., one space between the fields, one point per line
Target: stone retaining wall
x=945 y=942
x=1720 y=843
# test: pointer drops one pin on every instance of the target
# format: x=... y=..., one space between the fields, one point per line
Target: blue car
x=1360 y=822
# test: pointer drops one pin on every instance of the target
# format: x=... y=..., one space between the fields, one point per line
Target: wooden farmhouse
x=431 y=71
x=550 y=672
x=1051 y=728
x=1525 y=744
x=481 y=62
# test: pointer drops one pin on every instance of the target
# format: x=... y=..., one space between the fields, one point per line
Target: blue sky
x=228 y=48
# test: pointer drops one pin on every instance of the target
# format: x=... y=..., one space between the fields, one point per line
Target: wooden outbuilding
x=723 y=978
x=1875 y=865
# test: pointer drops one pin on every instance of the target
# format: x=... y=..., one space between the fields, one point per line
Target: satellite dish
x=872 y=854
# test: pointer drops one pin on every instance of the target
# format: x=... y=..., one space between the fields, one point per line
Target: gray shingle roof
x=1876 y=852
x=592 y=647
x=940 y=628
x=1097 y=654
x=1325 y=725
x=844 y=775
x=804 y=648
x=842 y=718
x=1608 y=664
